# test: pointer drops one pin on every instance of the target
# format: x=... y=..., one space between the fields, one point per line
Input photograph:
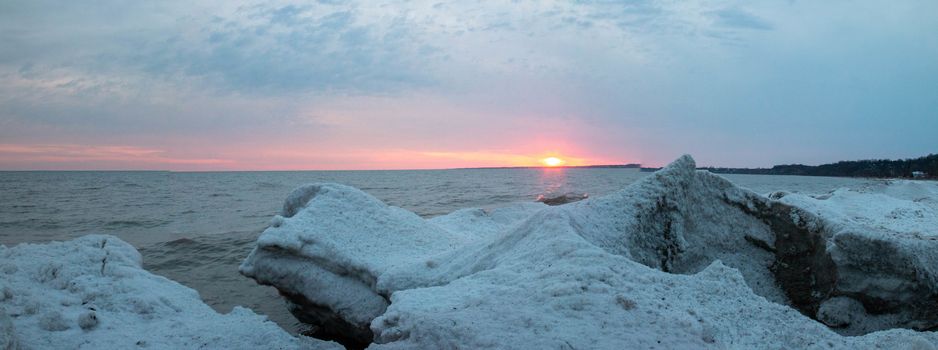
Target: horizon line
x=598 y=166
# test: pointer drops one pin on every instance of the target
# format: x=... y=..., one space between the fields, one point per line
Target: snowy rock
x=92 y=293
x=680 y=259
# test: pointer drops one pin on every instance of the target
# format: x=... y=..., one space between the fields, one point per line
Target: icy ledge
x=680 y=259
x=91 y=293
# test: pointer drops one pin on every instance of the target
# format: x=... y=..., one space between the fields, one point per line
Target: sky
x=271 y=85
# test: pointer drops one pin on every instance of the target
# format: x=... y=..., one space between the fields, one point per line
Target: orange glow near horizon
x=552 y=161
x=128 y=157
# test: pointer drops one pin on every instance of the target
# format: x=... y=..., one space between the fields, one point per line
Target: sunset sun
x=552 y=161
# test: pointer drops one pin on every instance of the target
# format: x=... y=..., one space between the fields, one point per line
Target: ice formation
x=680 y=259
x=561 y=199
x=884 y=244
x=91 y=293
x=327 y=250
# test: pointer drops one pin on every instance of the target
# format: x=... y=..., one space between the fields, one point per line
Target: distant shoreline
x=755 y=171
x=922 y=168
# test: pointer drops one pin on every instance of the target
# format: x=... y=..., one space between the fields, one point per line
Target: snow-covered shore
x=91 y=293
x=680 y=259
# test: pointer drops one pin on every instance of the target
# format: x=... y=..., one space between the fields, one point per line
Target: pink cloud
x=74 y=156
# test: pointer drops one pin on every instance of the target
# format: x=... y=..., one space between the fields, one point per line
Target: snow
x=332 y=250
x=366 y=237
x=7 y=333
x=680 y=259
x=486 y=222
x=884 y=241
x=92 y=293
x=595 y=300
x=898 y=206
x=562 y=281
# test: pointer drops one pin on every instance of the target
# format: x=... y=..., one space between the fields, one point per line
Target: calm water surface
x=195 y=228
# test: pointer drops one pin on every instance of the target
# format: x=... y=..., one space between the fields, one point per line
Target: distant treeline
x=885 y=168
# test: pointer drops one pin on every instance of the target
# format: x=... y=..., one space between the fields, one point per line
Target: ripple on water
x=209 y=265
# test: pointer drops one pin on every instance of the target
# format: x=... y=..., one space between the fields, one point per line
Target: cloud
x=357 y=48
x=253 y=48
x=642 y=80
x=19 y=156
x=291 y=48
x=734 y=17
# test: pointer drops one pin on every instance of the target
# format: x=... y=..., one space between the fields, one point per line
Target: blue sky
x=362 y=85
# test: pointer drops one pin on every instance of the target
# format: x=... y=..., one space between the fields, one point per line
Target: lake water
x=195 y=228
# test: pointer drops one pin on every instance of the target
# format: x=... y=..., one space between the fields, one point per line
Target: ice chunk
x=884 y=242
x=334 y=242
x=680 y=259
x=562 y=198
x=91 y=292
